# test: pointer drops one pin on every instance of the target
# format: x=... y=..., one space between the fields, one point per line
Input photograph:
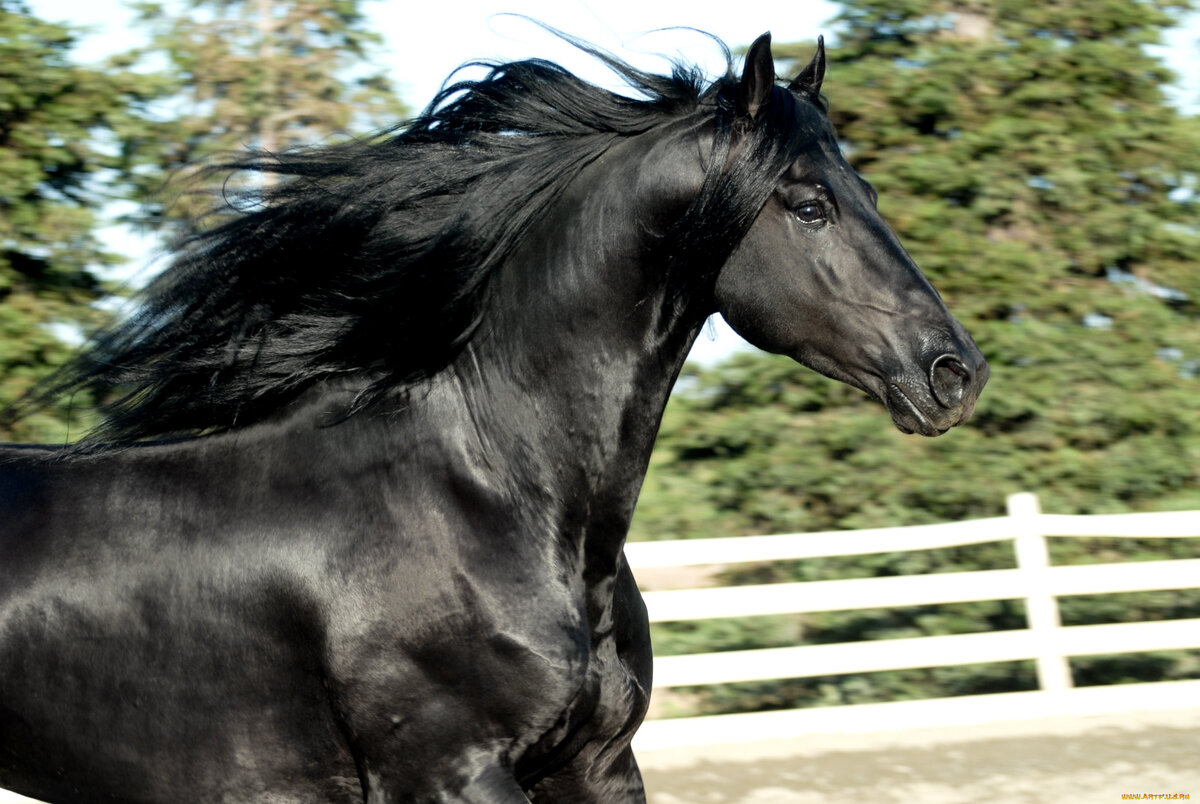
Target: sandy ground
x=1076 y=760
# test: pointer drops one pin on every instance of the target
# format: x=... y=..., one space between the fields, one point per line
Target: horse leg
x=416 y=740
x=494 y=784
x=605 y=771
x=434 y=762
x=594 y=778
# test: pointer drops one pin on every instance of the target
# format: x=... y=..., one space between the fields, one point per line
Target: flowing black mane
x=373 y=257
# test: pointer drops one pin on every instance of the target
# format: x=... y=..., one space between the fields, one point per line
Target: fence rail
x=1034 y=580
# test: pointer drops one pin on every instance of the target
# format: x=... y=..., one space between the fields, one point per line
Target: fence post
x=1041 y=607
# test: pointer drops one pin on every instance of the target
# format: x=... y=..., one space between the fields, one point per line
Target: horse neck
x=579 y=350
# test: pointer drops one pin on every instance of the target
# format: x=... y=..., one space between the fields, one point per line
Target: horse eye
x=810 y=213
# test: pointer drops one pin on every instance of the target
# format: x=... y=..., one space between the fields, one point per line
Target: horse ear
x=758 y=78
x=813 y=75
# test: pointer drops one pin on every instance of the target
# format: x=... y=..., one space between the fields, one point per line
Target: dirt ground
x=1077 y=760
x=1080 y=760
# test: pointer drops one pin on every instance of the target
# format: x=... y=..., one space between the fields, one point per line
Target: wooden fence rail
x=1034 y=580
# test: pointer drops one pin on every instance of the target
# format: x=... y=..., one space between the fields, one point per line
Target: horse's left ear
x=758 y=78
x=813 y=75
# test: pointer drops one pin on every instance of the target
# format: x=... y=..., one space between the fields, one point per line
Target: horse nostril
x=950 y=380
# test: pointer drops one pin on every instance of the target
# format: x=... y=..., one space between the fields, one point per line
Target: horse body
x=391 y=609
x=372 y=584
x=427 y=600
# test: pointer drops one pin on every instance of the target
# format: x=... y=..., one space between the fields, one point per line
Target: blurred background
x=1041 y=162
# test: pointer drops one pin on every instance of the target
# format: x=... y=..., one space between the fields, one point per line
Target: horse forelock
x=373 y=257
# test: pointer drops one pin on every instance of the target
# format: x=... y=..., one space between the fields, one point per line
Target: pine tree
x=65 y=132
x=260 y=74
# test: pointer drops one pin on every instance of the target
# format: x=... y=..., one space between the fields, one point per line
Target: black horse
x=354 y=525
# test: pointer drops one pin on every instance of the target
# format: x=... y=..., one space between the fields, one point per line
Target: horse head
x=820 y=276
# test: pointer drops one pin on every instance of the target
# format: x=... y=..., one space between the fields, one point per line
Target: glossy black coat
x=427 y=600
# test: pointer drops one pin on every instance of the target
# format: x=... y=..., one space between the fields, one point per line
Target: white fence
x=1035 y=581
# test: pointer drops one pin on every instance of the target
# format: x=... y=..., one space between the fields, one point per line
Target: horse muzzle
x=943 y=396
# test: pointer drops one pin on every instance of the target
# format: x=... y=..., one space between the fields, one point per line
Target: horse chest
x=547 y=667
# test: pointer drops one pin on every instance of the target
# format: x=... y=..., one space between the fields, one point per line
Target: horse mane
x=372 y=257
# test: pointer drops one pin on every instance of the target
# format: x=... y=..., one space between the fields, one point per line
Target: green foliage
x=1027 y=157
x=64 y=134
x=896 y=685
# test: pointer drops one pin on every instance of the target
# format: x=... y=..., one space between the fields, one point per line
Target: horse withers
x=353 y=526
